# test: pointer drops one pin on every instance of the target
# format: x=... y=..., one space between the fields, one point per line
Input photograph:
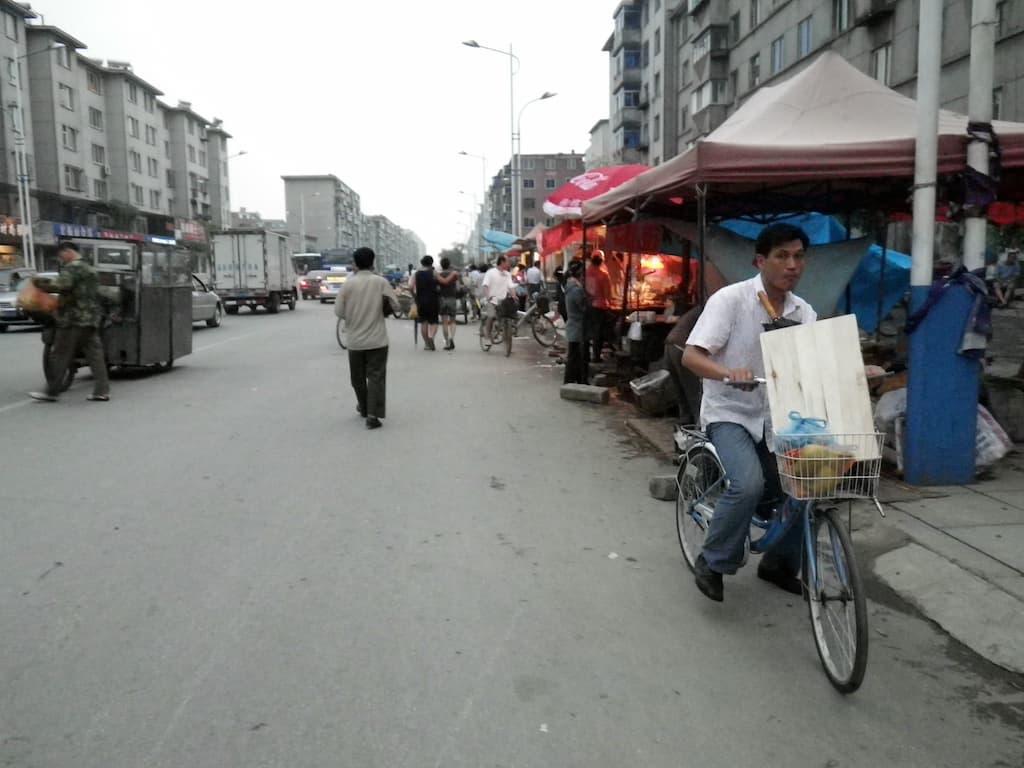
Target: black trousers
x=575 y=372
x=368 y=370
x=599 y=322
x=67 y=344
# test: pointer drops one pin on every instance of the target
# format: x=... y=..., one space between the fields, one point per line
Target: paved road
x=222 y=568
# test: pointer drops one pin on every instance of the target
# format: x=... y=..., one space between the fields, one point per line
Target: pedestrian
x=425 y=289
x=576 y=308
x=78 y=320
x=361 y=304
x=1006 y=277
x=560 y=293
x=599 y=314
x=448 y=282
x=534 y=280
x=497 y=286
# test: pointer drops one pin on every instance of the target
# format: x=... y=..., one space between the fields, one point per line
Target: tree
x=456 y=253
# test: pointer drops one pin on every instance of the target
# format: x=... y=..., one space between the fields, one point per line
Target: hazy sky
x=382 y=94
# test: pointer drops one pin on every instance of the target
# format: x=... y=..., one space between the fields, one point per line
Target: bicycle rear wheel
x=838 y=608
x=341 y=334
x=700 y=482
x=544 y=331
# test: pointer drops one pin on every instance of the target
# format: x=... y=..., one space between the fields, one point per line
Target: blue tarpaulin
x=864 y=285
x=503 y=240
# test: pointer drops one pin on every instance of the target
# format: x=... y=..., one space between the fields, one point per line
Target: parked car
x=206 y=306
x=10 y=283
x=309 y=283
x=331 y=282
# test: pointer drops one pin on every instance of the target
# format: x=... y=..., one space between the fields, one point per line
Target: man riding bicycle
x=497 y=285
x=724 y=346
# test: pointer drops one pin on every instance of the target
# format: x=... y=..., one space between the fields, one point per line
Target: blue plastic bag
x=803 y=430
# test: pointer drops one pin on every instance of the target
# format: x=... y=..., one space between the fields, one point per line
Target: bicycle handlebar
x=755 y=380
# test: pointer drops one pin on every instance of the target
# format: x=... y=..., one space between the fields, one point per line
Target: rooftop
x=57 y=33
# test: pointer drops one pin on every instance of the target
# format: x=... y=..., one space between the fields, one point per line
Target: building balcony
x=709 y=118
x=871 y=12
x=627 y=116
x=627 y=155
x=628 y=76
x=631 y=37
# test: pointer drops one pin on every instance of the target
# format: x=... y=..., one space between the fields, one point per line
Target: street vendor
x=725 y=347
x=78 y=321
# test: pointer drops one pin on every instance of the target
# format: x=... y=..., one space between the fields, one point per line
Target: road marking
x=225 y=341
x=12 y=406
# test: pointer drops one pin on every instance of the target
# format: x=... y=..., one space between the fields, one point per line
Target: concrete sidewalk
x=955 y=553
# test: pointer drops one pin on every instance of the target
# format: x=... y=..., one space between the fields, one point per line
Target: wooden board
x=817 y=369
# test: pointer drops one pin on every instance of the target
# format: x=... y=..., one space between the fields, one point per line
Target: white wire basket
x=837 y=466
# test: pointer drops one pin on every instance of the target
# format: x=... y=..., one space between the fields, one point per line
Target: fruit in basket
x=816 y=469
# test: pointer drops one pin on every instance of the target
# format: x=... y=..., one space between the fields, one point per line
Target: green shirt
x=78 y=286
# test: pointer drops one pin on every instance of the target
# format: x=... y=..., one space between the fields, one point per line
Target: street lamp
x=513 y=66
x=237 y=154
x=517 y=145
x=483 y=181
x=302 y=219
x=28 y=245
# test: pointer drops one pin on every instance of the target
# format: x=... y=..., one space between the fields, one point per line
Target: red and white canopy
x=568 y=199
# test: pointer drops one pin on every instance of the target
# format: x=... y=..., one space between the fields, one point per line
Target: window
x=631 y=139
x=755 y=13
x=646 y=58
x=527 y=183
x=133 y=93
x=755 y=70
x=711 y=92
x=11 y=26
x=73 y=178
x=99 y=154
x=137 y=194
x=149 y=102
x=191 y=127
x=734 y=84
x=529 y=163
x=202 y=158
x=682 y=119
x=94 y=82
x=657 y=127
x=804 y=37
x=684 y=70
x=631 y=58
x=69 y=137
x=880 y=63
x=154 y=198
x=657 y=85
x=135 y=161
x=657 y=41
x=95 y=118
x=153 y=167
x=133 y=127
x=12 y=71
x=550 y=164
x=191 y=153
x=630 y=98
x=99 y=189
x=997 y=103
x=529 y=222
x=549 y=183
x=170 y=179
x=529 y=203
x=840 y=16
x=151 y=135
x=778 y=54
x=66 y=95
x=571 y=163
x=734 y=28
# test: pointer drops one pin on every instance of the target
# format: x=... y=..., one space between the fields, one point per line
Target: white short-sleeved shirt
x=729 y=328
x=497 y=285
x=534 y=276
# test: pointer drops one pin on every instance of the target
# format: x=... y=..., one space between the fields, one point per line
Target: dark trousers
x=599 y=323
x=368 y=369
x=68 y=343
x=574 y=364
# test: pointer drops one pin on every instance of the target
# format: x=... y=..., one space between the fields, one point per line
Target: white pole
x=21 y=161
x=302 y=223
x=979 y=110
x=929 y=67
x=513 y=170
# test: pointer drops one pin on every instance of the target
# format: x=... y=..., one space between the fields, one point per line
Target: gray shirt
x=730 y=330
x=361 y=303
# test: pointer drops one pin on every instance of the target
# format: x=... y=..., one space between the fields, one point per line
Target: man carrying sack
x=78 y=320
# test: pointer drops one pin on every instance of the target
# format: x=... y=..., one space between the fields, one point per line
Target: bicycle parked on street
x=511 y=320
x=831 y=580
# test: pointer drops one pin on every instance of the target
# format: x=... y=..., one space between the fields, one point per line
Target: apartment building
x=540 y=175
x=188 y=153
x=314 y=207
x=679 y=68
x=219 y=173
x=385 y=238
x=14 y=78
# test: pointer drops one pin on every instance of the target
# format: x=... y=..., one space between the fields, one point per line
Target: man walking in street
x=725 y=347
x=78 y=321
x=361 y=305
x=497 y=285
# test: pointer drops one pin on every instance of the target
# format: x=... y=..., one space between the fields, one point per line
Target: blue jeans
x=753 y=476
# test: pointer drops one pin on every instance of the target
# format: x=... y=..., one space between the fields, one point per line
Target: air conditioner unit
x=105 y=171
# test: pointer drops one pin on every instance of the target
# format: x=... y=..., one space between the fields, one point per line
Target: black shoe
x=780 y=575
x=709 y=582
x=361 y=412
x=451 y=345
x=372 y=422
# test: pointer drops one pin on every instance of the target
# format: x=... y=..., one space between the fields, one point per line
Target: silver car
x=11 y=281
x=206 y=306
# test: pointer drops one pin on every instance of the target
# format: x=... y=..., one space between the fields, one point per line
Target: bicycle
x=341 y=334
x=830 y=576
x=501 y=327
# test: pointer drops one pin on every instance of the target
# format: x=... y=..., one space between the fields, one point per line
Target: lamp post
x=483 y=181
x=517 y=145
x=28 y=245
x=513 y=66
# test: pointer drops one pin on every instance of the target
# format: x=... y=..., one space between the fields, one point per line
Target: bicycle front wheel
x=838 y=608
x=544 y=331
x=699 y=483
x=341 y=334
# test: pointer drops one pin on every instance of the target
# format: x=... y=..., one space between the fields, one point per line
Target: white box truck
x=253 y=268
